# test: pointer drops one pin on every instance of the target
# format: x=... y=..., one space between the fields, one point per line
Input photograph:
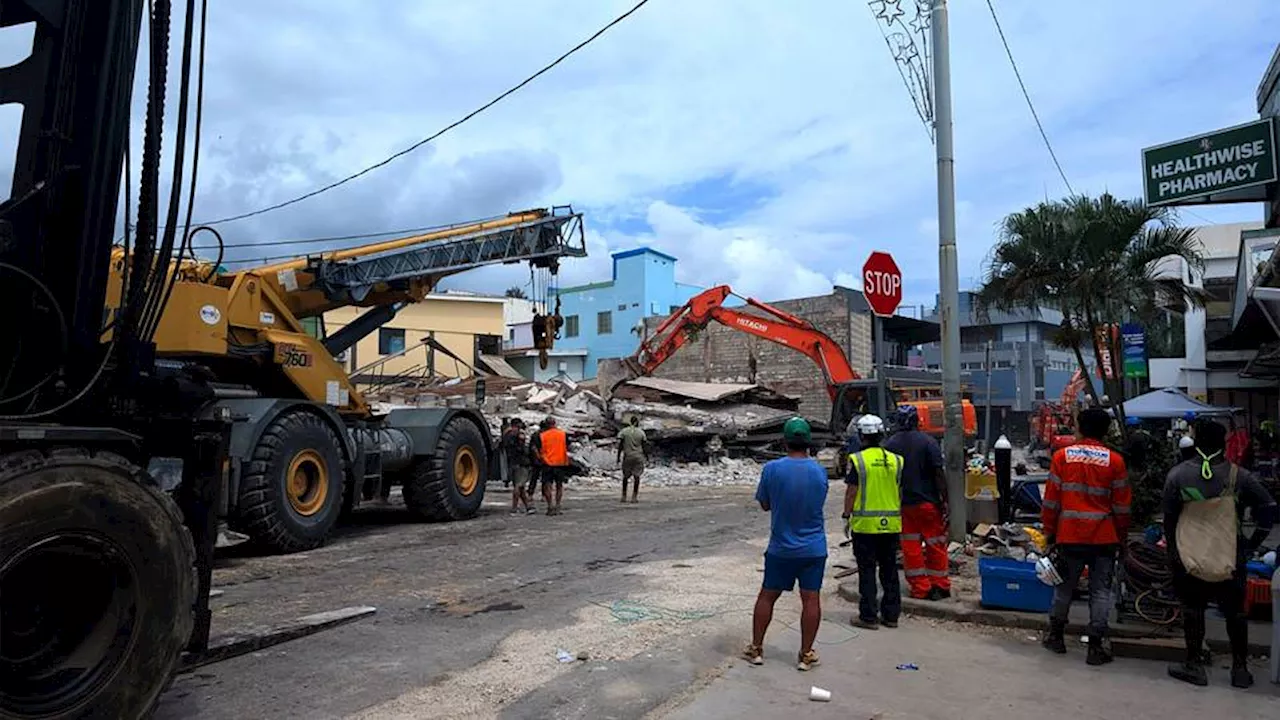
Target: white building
x=1212 y=368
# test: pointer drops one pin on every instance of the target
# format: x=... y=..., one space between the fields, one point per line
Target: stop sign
x=882 y=283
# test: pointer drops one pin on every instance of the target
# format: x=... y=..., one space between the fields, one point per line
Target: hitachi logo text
x=753 y=324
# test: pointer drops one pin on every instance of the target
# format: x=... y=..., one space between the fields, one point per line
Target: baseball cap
x=797 y=428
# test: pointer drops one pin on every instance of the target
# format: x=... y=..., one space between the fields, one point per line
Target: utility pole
x=986 y=422
x=948 y=272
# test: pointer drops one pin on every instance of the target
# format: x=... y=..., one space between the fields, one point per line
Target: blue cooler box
x=1013 y=584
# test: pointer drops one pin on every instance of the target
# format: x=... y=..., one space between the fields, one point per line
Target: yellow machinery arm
x=252 y=317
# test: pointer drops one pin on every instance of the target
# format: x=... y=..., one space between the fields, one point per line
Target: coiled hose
x=1147 y=572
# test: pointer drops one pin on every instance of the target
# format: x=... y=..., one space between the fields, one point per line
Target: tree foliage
x=1097 y=261
x=515 y=291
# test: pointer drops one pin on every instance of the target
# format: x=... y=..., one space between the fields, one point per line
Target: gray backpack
x=1207 y=532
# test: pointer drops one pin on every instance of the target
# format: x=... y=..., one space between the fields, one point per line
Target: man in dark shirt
x=1196 y=480
x=515 y=454
x=924 y=508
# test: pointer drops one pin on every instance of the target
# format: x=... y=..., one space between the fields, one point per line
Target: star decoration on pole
x=908 y=41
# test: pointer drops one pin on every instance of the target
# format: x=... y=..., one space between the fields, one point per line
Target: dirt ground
x=649 y=602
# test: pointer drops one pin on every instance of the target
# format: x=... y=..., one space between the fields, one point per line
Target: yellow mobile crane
x=305 y=446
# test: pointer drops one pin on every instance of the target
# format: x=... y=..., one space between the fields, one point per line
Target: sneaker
x=754 y=654
x=513 y=512
x=807 y=661
x=865 y=624
x=943 y=594
x=889 y=623
x=1241 y=677
x=531 y=510
x=1188 y=673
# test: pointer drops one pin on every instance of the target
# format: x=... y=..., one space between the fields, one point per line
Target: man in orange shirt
x=551 y=448
x=1086 y=518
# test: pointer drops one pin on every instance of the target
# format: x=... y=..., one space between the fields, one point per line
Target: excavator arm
x=776 y=326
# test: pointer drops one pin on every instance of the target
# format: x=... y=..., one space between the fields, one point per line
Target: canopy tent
x=1170 y=403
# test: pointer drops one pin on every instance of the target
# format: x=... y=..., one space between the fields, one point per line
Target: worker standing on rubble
x=1204 y=504
x=632 y=455
x=516 y=457
x=793 y=490
x=1086 y=518
x=873 y=513
x=924 y=508
x=551 y=448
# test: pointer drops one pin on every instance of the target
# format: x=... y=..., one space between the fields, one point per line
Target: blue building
x=1016 y=351
x=605 y=318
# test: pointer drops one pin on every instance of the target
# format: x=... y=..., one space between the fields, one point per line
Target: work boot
x=1053 y=639
x=1190 y=673
x=865 y=624
x=1098 y=654
x=1240 y=676
x=888 y=623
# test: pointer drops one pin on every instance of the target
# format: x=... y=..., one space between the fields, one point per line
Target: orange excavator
x=851 y=394
x=1053 y=423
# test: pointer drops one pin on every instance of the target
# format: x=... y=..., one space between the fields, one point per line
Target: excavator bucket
x=612 y=372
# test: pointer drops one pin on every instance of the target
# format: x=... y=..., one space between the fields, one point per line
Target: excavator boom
x=776 y=326
x=850 y=394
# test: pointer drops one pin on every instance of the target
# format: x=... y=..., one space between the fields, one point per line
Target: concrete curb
x=965 y=611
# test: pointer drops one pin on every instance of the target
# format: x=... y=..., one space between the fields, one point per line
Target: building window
x=634 y=305
x=390 y=341
x=571 y=326
x=511 y=335
x=622 y=306
x=604 y=322
x=1002 y=364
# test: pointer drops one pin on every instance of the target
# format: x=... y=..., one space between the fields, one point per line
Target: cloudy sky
x=769 y=145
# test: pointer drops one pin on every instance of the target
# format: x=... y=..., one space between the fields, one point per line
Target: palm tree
x=515 y=291
x=1097 y=261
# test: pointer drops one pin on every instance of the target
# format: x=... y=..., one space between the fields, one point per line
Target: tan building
x=463 y=323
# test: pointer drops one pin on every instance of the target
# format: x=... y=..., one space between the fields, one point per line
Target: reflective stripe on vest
x=877 y=509
x=555 y=447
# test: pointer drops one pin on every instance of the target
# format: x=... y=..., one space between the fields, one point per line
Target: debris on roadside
x=1010 y=540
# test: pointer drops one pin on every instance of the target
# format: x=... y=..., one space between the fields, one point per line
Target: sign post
x=882 y=287
x=1215 y=166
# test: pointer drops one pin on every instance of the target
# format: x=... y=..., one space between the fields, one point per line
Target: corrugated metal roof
x=500 y=366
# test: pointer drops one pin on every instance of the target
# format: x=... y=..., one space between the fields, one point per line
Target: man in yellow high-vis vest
x=873 y=513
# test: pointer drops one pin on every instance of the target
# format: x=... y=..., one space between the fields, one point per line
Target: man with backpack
x=1204 y=503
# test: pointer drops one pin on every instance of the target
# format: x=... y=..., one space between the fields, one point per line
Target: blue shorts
x=781 y=573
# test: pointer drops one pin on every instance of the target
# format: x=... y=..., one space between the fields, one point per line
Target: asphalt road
x=454 y=599
x=654 y=598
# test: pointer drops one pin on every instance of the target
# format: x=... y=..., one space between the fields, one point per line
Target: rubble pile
x=703 y=434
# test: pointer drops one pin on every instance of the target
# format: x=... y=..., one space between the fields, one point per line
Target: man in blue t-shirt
x=793 y=490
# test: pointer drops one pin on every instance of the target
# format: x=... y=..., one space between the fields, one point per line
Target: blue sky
x=767 y=144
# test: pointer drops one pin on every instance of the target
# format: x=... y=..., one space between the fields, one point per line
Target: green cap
x=797 y=428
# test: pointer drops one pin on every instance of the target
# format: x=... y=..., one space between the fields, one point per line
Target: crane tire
x=97 y=585
x=449 y=483
x=291 y=490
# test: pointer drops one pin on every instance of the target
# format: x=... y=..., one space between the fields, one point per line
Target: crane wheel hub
x=307 y=483
x=466 y=470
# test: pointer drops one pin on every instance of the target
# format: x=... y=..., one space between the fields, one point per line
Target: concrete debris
x=689 y=424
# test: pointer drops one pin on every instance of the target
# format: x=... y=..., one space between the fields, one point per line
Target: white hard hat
x=1047 y=573
x=1186 y=442
x=870 y=425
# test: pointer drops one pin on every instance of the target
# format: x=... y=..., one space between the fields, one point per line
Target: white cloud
x=800 y=103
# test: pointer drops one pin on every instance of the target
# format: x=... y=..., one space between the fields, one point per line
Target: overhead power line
x=1027 y=95
x=512 y=90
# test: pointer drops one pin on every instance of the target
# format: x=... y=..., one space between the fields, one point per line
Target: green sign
x=1230 y=159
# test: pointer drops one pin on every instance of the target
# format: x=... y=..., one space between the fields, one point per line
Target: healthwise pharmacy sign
x=1223 y=161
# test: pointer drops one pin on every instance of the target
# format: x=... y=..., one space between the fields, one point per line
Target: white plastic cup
x=817 y=694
